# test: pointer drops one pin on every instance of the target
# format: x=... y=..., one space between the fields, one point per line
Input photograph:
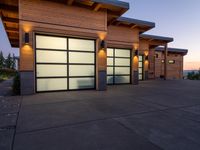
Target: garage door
x=64 y=63
x=118 y=66
x=141 y=67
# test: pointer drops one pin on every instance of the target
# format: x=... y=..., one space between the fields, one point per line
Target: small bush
x=193 y=76
x=7 y=73
x=16 y=84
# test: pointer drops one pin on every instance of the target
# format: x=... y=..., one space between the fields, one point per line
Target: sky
x=179 y=19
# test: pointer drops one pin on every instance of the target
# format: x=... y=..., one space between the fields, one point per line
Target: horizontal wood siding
x=174 y=71
x=61 y=14
x=122 y=34
x=57 y=19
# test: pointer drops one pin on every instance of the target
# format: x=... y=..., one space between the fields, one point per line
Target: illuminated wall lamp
x=147 y=57
x=102 y=45
x=136 y=52
x=26 y=38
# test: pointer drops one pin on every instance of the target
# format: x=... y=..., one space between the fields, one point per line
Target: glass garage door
x=64 y=63
x=141 y=67
x=118 y=66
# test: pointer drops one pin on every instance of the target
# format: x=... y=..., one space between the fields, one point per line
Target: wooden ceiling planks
x=10 y=17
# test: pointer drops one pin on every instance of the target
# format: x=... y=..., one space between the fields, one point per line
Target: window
x=171 y=61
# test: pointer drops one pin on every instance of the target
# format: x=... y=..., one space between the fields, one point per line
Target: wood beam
x=134 y=26
x=150 y=40
x=12 y=31
x=96 y=6
x=8 y=19
x=70 y=2
x=11 y=38
x=5 y=7
x=117 y=23
x=11 y=28
x=111 y=21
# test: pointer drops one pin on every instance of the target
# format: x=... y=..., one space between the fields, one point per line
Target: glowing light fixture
x=136 y=52
x=146 y=57
x=26 y=38
x=102 y=45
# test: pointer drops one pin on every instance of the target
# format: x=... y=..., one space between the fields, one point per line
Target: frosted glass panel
x=140 y=70
x=81 y=70
x=122 y=62
x=122 y=53
x=49 y=42
x=110 y=61
x=51 y=56
x=109 y=79
x=109 y=52
x=110 y=70
x=140 y=77
x=77 y=57
x=122 y=70
x=122 y=79
x=140 y=58
x=81 y=83
x=51 y=70
x=81 y=45
x=140 y=64
x=51 y=84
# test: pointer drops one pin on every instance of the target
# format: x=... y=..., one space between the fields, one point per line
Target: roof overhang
x=155 y=41
x=173 y=50
x=143 y=26
x=9 y=12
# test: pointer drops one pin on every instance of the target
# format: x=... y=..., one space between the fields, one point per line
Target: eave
x=155 y=41
x=9 y=13
x=173 y=50
x=143 y=26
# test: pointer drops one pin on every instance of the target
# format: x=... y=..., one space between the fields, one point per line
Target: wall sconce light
x=26 y=38
x=136 y=52
x=102 y=45
x=147 y=57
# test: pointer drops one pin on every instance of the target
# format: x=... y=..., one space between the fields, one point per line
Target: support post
x=165 y=63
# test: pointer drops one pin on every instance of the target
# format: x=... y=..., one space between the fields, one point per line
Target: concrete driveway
x=154 y=115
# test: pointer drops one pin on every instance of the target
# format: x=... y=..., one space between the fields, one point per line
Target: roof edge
x=137 y=21
x=175 y=50
x=155 y=37
x=114 y=3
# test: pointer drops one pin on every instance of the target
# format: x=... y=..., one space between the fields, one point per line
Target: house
x=74 y=45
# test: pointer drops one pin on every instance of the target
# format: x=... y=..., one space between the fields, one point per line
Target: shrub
x=194 y=76
x=16 y=84
x=6 y=74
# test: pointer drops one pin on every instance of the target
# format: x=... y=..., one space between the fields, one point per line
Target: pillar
x=165 y=62
x=134 y=66
x=27 y=82
x=101 y=65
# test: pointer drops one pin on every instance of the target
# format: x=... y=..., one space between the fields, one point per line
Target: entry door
x=64 y=63
x=141 y=67
x=118 y=66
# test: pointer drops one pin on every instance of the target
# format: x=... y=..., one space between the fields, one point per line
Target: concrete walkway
x=155 y=115
x=6 y=87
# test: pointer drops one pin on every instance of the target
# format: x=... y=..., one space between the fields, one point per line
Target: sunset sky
x=179 y=19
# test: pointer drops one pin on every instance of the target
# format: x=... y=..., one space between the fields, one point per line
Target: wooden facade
x=90 y=19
